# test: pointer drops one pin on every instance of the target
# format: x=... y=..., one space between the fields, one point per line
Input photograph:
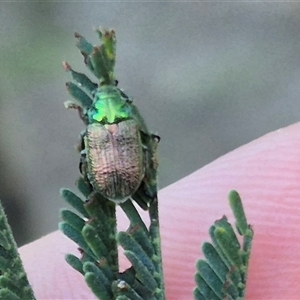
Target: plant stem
x=156 y=241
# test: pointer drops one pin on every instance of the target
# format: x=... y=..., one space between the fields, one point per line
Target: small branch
x=223 y=273
x=156 y=241
x=14 y=284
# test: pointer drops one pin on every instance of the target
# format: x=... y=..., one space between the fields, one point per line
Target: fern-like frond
x=142 y=248
x=93 y=228
x=223 y=272
x=14 y=284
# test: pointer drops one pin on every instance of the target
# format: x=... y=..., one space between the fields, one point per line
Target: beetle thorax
x=109 y=106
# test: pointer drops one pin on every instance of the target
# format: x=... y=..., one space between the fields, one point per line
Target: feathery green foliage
x=223 y=273
x=94 y=230
x=14 y=284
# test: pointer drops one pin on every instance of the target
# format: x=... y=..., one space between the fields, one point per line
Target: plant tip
x=66 y=66
x=121 y=284
x=77 y=35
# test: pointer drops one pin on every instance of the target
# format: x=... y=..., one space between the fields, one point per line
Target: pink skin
x=265 y=172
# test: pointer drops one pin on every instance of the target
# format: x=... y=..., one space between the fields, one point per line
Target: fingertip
x=48 y=273
x=266 y=173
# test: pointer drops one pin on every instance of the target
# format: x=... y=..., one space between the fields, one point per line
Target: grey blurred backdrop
x=208 y=77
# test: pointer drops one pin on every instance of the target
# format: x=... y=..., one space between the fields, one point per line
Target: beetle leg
x=147 y=191
x=151 y=164
x=124 y=96
x=141 y=197
x=83 y=167
x=83 y=163
x=80 y=144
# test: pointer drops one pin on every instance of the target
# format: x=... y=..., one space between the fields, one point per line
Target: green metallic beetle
x=118 y=153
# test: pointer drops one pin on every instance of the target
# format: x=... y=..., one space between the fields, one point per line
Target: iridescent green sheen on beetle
x=109 y=107
x=118 y=153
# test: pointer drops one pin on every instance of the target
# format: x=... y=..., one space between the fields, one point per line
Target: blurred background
x=208 y=77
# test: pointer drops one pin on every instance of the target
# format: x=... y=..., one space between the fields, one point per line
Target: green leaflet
x=74 y=201
x=129 y=243
x=81 y=98
x=142 y=272
x=83 y=187
x=75 y=263
x=81 y=79
x=72 y=219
